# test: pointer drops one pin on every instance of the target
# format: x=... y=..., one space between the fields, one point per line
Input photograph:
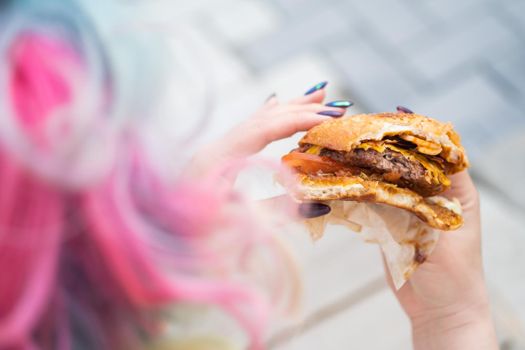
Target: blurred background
x=458 y=61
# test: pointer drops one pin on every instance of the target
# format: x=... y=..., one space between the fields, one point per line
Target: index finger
x=280 y=128
x=315 y=97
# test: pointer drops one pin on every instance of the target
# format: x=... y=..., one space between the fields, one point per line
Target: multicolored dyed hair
x=96 y=242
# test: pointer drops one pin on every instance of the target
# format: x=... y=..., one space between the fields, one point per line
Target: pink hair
x=109 y=254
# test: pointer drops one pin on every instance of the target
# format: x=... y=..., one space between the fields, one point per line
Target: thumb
x=464 y=190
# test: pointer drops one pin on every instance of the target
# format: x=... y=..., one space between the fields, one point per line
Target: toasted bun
x=346 y=133
x=437 y=212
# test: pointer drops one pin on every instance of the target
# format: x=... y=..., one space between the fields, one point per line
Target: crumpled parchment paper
x=405 y=240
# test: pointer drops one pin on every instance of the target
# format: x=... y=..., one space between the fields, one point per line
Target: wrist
x=470 y=327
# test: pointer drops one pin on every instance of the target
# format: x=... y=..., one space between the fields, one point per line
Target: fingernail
x=313 y=210
x=341 y=104
x=270 y=97
x=404 y=110
x=335 y=114
x=319 y=86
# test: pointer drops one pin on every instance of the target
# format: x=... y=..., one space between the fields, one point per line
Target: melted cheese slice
x=314 y=150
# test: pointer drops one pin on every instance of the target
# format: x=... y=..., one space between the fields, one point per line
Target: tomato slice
x=311 y=163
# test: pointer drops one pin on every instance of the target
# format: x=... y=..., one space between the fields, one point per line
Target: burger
x=398 y=159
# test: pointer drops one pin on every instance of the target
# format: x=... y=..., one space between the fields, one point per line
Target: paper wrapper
x=405 y=240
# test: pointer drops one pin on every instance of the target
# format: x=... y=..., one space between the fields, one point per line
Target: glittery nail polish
x=340 y=104
x=313 y=210
x=334 y=114
x=317 y=87
x=404 y=110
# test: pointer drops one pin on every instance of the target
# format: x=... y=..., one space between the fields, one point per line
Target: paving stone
x=448 y=9
x=395 y=21
x=244 y=22
x=516 y=9
x=171 y=10
x=377 y=323
x=215 y=62
x=512 y=68
x=293 y=37
x=378 y=85
x=477 y=110
x=477 y=39
x=296 y=8
x=504 y=165
x=292 y=77
x=503 y=239
x=344 y=257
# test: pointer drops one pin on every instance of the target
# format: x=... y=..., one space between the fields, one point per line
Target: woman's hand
x=272 y=122
x=446 y=298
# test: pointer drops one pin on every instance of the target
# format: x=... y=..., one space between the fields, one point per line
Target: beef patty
x=392 y=167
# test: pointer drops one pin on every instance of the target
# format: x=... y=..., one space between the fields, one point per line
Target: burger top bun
x=431 y=137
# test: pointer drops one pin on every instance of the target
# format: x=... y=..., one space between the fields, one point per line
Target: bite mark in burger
x=399 y=159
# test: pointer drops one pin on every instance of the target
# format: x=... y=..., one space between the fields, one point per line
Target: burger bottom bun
x=437 y=212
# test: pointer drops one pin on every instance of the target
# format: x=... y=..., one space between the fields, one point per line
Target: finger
x=316 y=87
x=315 y=97
x=279 y=128
x=465 y=191
x=252 y=139
x=311 y=107
x=271 y=101
x=274 y=129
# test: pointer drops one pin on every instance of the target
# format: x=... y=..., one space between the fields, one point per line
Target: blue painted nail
x=341 y=104
x=334 y=114
x=404 y=110
x=319 y=86
x=313 y=210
